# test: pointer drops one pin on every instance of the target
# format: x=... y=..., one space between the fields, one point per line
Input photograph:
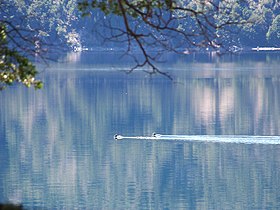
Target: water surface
x=57 y=149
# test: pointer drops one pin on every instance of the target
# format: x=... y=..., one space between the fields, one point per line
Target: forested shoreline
x=61 y=21
x=145 y=30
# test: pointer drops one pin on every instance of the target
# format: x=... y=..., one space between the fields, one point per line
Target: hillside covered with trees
x=61 y=20
x=29 y=29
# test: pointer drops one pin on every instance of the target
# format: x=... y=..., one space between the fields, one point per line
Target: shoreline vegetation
x=187 y=51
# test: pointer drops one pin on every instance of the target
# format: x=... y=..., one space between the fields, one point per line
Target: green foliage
x=28 y=29
x=53 y=18
x=273 y=33
x=15 y=68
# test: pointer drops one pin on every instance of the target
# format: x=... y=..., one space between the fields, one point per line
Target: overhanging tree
x=15 y=66
x=153 y=27
x=29 y=29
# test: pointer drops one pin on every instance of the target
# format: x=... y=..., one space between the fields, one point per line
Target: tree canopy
x=28 y=31
x=16 y=45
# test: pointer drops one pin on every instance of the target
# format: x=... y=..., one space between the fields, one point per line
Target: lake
x=57 y=149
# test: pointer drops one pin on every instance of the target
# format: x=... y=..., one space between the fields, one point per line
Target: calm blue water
x=57 y=149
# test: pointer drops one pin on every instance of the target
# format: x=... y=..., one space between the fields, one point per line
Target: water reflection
x=57 y=148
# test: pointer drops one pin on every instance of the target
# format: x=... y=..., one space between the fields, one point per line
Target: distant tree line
x=61 y=19
x=29 y=28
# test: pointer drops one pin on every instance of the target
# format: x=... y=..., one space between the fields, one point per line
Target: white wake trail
x=241 y=139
